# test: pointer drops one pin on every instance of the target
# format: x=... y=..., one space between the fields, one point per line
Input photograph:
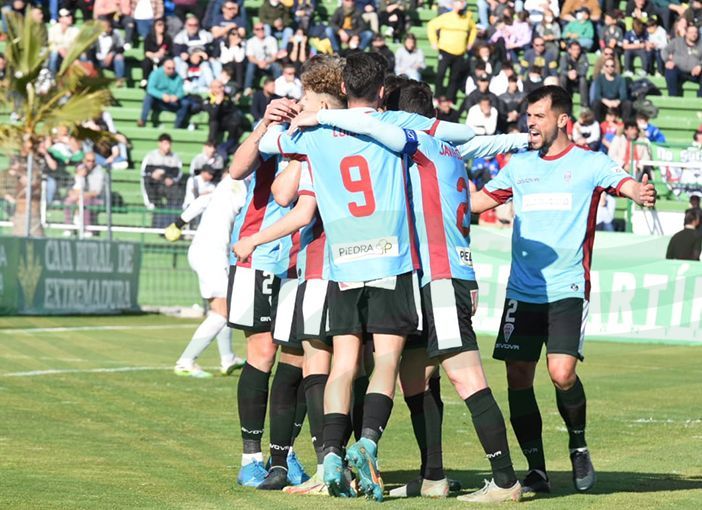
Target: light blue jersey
x=313 y=260
x=362 y=199
x=555 y=205
x=259 y=212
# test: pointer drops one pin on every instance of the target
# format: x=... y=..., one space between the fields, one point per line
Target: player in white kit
x=209 y=257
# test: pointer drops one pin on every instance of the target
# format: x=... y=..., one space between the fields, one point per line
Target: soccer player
x=555 y=188
x=260 y=299
x=441 y=208
x=208 y=255
x=361 y=196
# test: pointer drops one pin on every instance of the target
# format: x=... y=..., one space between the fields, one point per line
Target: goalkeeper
x=209 y=257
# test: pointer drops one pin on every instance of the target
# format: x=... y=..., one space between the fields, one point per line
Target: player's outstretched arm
x=246 y=156
x=301 y=215
x=286 y=184
x=480 y=202
x=643 y=193
x=490 y=146
x=362 y=123
x=453 y=132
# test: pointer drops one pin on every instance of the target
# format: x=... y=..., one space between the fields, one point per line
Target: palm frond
x=74 y=110
x=87 y=36
x=26 y=51
x=10 y=137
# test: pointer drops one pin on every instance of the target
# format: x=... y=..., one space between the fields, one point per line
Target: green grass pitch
x=75 y=437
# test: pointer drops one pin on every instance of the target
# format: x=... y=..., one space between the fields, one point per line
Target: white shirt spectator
x=409 y=63
x=228 y=54
x=605 y=209
x=60 y=39
x=195 y=187
x=286 y=88
x=262 y=49
x=94 y=182
x=585 y=135
x=481 y=123
x=536 y=9
x=201 y=40
x=499 y=82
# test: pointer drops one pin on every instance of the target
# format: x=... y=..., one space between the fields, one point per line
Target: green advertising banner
x=67 y=276
x=637 y=295
x=690 y=154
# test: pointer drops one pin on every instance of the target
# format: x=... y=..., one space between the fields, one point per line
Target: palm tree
x=40 y=102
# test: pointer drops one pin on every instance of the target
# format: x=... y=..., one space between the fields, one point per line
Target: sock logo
x=254 y=432
x=530 y=451
x=577 y=431
x=494 y=455
x=278 y=447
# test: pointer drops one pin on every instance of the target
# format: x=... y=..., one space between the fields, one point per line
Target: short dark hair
x=561 y=102
x=642 y=115
x=363 y=75
x=630 y=124
x=416 y=97
x=164 y=136
x=691 y=215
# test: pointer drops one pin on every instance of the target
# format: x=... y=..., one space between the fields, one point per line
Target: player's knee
x=563 y=377
x=520 y=375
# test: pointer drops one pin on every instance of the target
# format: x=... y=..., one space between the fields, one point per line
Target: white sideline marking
x=32 y=373
x=91 y=328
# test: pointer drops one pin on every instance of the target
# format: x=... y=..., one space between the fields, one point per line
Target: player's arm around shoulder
x=285 y=185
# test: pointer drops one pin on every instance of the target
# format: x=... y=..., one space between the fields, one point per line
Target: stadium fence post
x=108 y=202
x=28 y=213
x=81 y=211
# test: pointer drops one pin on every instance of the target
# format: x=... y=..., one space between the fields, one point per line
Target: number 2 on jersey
x=361 y=185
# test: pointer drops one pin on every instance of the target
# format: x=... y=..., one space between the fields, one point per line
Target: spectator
x=512 y=100
x=537 y=9
x=109 y=50
x=304 y=14
x=145 y=12
x=550 y=31
x=262 y=52
x=370 y=13
x=612 y=35
x=90 y=182
x=605 y=213
x=445 y=110
x=482 y=117
x=224 y=119
x=276 y=17
x=620 y=150
x=686 y=244
x=607 y=53
x=409 y=60
x=586 y=131
x=609 y=90
x=580 y=29
x=379 y=46
x=232 y=57
x=214 y=10
x=484 y=54
x=346 y=22
x=226 y=21
x=164 y=91
x=84 y=6
x=635 y=45
x=288 y=84
x=500 y=82
x=161 y=171
x=192 y=37
x=679 y=28
x=697 y=138
x=511 y=35
x=61 y=38
x=696 y=195
x=657 y=41
x=198 y=76
x=118 y=12
x=539 y=57
x=610 y=128
x=639 y=9
x=693 y=14
x=298 y=49
x=668 y=10
x=393 y=15
x=453 y=34
x=158 y=46
x=262 y=97
x=205 y=172
x=573 y=69
x=648 y=130
x=683 y=58
x=185 y=8
x=482 y=90
x=570 y=10
x=534 y=79
x=497 y=10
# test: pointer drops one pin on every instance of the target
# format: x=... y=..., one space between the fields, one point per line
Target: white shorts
x=212 y=275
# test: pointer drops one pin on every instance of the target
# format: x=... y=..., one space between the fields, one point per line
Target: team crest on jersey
x=567 y=177
x=507 y=330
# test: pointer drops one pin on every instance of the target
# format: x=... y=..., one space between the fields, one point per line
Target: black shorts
x=249 y=295
x=283 y=313
x=525 y=327
x=392 y=311
x=310 y=320
x=447 y=308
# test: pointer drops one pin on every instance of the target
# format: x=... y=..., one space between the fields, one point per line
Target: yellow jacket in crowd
x=452 y=32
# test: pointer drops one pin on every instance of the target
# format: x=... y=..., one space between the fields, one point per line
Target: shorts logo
x=507 y=330
x=465 y=257
x=264 y=319
x=367 y=249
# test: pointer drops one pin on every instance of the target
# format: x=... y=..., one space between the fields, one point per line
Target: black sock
x=435 y=388
x=526 y=423
x=490 y=427
x=252 y=395
x=300 y=411
x=336 y=426
x=415 y=404
x=360 y=385
x=433 y=419
x=283 y=402
x=572 y=406
x=314 y=393
x=376 y=413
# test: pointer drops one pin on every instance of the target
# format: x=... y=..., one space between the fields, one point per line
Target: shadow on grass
x=608 y=482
